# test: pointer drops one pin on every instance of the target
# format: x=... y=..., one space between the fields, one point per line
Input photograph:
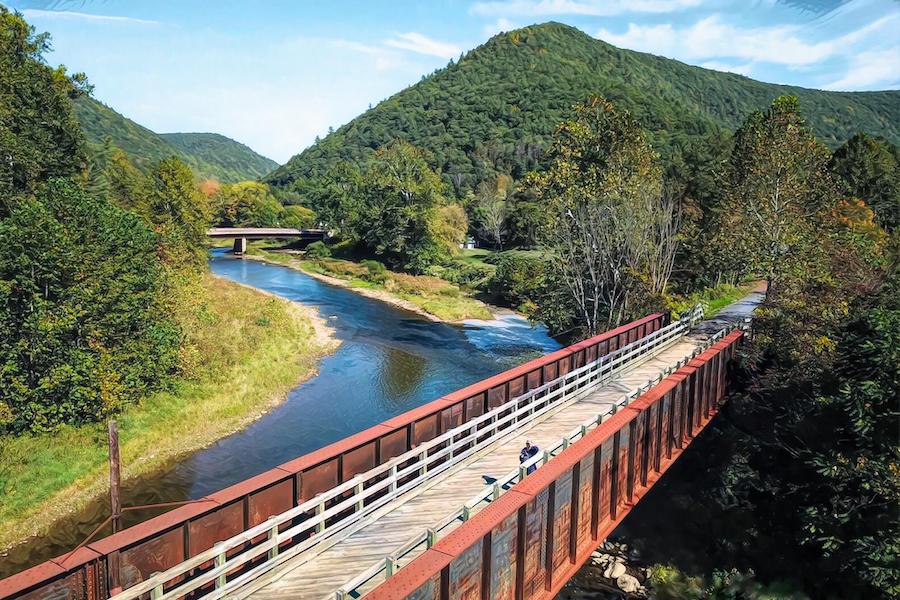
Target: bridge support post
x=272 y=536
x=240 y=245
x=220 y=561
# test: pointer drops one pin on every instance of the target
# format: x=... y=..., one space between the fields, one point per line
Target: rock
x=614 y=571
x=627 y=583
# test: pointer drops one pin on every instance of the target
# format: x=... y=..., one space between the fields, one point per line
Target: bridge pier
x=240 y=245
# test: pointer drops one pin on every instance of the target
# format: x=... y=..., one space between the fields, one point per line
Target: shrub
x=342 y=268
x=377 y=272
x=471 y=275
x=318 y=250
x=374 y=267
x=519 y=277
x=424 y=285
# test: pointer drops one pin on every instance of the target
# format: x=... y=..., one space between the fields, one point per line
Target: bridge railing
x=528 y=541
x=336 y=511
x=393 y=562
x=131 y=556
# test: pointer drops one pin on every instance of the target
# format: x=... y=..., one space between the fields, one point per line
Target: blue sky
x=276 y=74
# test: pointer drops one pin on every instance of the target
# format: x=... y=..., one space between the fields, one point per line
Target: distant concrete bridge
x=433 y=504
x=242 y=235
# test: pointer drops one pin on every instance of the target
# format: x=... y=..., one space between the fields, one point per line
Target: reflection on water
x=389 y=362
x=402 y=373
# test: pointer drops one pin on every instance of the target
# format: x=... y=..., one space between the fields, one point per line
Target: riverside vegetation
x=596 y=210
x=107 y=307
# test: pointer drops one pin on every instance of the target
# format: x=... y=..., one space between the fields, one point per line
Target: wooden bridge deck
x=392 y=526
x=316 y=577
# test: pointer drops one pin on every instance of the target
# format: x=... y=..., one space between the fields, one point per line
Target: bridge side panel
x=162 y=542
x=566 y=495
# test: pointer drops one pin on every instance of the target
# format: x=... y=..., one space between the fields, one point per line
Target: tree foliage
x=39 y=136
x=602 y=195
x=395 y=206
x=870 y=169
x=178 y=212
x=246 y=204
x=496 y=108
x=779 y=191
x=816 y=463
x=82 y=327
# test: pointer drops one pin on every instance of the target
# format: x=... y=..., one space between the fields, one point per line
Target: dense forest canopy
x=495 y=110
x=234 y=161
x=210 y=155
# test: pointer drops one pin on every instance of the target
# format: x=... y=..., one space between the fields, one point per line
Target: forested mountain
x=236 y=161
x=494 y=110
x=209 y=155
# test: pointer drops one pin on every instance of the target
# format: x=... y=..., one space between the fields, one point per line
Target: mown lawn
x=246 y=350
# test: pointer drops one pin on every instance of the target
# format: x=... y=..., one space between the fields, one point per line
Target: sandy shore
x=379 y=295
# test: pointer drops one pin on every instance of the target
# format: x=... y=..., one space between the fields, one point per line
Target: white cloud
x=416 y=42
x=501 y=24
x=384 y=59
x=710 y=38
x=870 y=70
x=33 y=13
x=744 y=69
x=543 y=8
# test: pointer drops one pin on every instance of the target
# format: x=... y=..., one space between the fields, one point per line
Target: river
x=389 y=361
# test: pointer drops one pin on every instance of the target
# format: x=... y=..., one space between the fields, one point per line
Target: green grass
x=475 y=256
x=246 y=350
x=432 y=295
x=713 y=299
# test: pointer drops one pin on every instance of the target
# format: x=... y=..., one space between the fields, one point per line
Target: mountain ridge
x=210 y=155
x=495 y=108
x=224 y=152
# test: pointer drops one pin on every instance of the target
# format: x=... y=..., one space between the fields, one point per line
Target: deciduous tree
x=870 y=169
x=606 y=221
x=83 y=331
x=779 y=191
x=401 y=194
x=179 y=213
x=39 y=136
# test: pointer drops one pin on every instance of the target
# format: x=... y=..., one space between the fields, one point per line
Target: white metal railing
x=391 y=563
x=384 y=483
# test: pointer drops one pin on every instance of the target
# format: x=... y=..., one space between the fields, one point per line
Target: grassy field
x=432 y=296
x=245 y=351
x=475 y=255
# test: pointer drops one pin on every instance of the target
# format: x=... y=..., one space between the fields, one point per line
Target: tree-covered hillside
x=209 y=155
x=236 y=161
x=494 y=110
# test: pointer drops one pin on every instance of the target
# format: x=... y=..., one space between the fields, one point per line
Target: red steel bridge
x=433 y=504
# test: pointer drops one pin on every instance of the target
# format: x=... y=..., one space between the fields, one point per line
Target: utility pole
x=115 y=502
